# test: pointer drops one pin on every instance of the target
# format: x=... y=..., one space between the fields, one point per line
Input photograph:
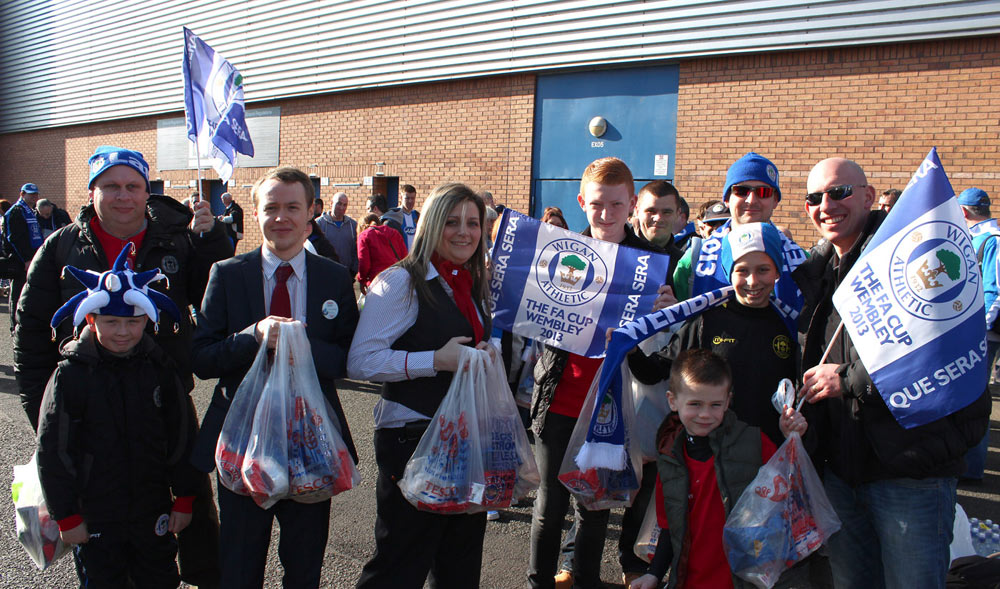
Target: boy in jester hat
x=115 y=435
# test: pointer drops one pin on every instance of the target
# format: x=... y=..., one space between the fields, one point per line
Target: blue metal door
x=640 y=108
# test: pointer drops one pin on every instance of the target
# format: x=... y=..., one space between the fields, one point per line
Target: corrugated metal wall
x=69 y=62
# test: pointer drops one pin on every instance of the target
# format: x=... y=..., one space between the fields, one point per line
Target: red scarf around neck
x=459 y=279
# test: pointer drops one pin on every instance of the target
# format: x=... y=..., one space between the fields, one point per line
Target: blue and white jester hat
x=119 y=292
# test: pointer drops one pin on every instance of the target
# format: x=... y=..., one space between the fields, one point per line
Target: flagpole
x=826 y=354
x=197 y=153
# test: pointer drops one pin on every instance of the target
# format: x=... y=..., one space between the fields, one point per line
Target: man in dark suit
x=246 y=297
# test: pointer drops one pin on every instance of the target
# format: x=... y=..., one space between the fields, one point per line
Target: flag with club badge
x=565 y=289
x=213 y=106
x=913 y=304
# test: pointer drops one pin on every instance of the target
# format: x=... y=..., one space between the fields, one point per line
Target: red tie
x=281 y=304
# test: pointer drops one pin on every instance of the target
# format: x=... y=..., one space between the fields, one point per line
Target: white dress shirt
x=390 y=310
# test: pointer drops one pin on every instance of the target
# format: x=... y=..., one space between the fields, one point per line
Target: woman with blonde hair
x=418 y=313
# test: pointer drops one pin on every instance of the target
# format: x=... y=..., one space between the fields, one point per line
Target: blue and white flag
x=913 y=304
x=566 y=289
x=213 y=105
x=606 y=442
x=786 y=297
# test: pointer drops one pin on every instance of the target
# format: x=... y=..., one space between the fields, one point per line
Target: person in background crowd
x=378 y=248
x=409 y=214
x=892 y=488
x=4 y=206
x=684 y=229
x=711 y=215
x=181 y=242
x=888 y=199
x=342 y=231
x=417 y=315
x=234 y=214
x=554 y=216
x=317 y=209
x=50 y=217
x=975 y=205
x=390 y=218
x=318 y=244
x=246 y=297
x=607 y=194
x=23 y=236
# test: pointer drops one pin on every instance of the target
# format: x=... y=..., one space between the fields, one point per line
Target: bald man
x=341 y=231
x=893 y=488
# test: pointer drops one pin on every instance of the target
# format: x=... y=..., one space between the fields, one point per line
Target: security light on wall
x=380 y=168
x=598 y=125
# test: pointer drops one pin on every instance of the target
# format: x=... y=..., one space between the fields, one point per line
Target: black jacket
x=18 y=234
x=861 y=439
x=183 y=256
x=552 y=362
x=236 y=212
x=115 y=434
x=234 y=300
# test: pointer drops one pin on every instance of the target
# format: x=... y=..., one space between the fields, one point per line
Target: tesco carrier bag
x=37 y=532
x=474 y=456
x=319 y=463
x=234 y=438
x=782 y=517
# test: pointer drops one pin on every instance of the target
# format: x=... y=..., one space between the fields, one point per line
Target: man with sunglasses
x=892 y=488
x=752 y=193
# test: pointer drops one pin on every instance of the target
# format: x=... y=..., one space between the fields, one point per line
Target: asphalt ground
x=505 y=553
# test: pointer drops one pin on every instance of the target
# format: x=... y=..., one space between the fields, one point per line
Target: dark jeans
x=245 y=534
x=16 y=286
x=550 y=512
x=410 y=544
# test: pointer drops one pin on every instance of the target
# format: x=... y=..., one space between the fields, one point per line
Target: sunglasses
x=741 y=191
x=835 y=193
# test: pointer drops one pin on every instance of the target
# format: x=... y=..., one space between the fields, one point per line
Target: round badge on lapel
x=330 y=309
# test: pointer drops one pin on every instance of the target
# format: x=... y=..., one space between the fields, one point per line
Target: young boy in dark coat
x=115 y=436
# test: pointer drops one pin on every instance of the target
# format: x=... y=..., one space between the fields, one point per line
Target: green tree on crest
x=951 y=264
x=573 y=262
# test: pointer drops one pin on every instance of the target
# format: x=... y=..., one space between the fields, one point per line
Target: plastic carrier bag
x=604 y=488
x=782 y=517
x=235 y=435
x=649 y=534
x=475 y=455
x=37 y=532
x=319 y=463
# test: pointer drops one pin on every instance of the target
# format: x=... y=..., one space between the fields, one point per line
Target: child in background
x=114 y=438
x=707 y=458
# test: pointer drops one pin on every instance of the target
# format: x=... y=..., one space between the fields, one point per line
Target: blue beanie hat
x=752 y=166
x=974 y=197
x=107 y=156
x=119 y=292
x=751 y=237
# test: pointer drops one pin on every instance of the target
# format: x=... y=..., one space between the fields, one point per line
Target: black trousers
x=410 y=544
x=245 y=533
x=198 y=544
x=632 y=522
x=16 y=286
x=128 y=555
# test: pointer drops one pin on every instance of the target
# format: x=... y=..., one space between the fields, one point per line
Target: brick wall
x=882 y=106
x=472 y=131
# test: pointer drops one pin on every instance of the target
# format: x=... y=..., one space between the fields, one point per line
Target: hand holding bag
x=37 y=532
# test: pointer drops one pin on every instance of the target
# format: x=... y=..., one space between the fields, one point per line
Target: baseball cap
x=970 y=197
x=29 y=188
x=717 y=212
